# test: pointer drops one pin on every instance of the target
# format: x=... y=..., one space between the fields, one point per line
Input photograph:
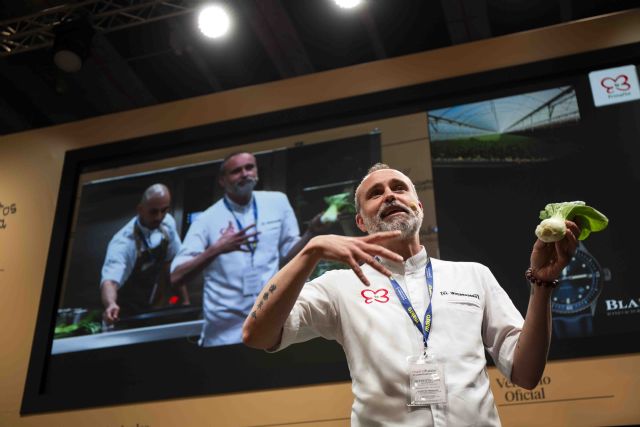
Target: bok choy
x=552 y=227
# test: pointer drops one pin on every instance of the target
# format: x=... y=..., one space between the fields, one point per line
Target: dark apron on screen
x=137 y=293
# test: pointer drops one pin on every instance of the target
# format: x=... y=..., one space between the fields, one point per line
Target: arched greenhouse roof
x=503 y=115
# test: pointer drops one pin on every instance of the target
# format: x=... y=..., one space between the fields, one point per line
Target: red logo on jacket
x=381 y=295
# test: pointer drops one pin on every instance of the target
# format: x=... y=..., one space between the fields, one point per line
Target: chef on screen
x=136 y=267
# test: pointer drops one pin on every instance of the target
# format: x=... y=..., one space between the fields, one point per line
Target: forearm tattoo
x=265 y=296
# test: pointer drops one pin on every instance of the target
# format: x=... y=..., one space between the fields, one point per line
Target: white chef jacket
x=225 y=305
x=121 y=252
x=471 y=312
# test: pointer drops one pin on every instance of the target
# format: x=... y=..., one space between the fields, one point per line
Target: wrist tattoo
x=260 y=305
x=265 y=296
x=272 y=288
x=254 y=314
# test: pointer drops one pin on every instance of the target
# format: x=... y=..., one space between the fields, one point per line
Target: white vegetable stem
x=551 y=230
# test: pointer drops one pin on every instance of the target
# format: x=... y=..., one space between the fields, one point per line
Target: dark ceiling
x=147 y=52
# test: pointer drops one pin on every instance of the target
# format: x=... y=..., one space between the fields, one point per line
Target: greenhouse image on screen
x=519 y=128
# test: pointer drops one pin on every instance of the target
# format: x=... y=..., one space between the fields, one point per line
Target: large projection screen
x=486 y=152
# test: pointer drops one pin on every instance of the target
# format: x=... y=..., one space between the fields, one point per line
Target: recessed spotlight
x=214 y=21
x=348 y=4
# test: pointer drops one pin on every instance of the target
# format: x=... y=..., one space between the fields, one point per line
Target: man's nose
x=389 y=196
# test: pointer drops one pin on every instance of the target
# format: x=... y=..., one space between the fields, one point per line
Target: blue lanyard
x=254 y=244
x=406 y=303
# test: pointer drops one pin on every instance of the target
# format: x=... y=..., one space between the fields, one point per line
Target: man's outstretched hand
x=232 y=240
x=354 y=251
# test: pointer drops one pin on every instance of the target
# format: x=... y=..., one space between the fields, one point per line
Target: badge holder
x=251 y=278
x=251 y=283
x=426 y=381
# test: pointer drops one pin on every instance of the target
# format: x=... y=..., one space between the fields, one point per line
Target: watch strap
x=573 y=325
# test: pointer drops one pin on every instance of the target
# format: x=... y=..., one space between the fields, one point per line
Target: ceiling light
x=348 y=4
x=72 y=44
x=214 y=21
x=67 y=60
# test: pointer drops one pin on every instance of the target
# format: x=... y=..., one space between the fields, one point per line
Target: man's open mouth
x=393 y=210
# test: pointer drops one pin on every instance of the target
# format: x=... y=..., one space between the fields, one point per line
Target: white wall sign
x=614 y=85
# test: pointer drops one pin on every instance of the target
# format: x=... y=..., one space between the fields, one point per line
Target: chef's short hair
x=378 y=166
x=235 y=153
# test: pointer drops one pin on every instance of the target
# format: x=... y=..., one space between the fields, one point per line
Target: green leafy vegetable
x=88 y=325
x=338 y=203
x=552 y=228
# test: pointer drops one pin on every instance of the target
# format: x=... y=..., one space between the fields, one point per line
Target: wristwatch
x=573 y=301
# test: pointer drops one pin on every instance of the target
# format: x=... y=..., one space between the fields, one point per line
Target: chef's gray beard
x=244 y=188
x=408 y=226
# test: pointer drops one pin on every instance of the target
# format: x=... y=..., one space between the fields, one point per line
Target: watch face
x=579 y=284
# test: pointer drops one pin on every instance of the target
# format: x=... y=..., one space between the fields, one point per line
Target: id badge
x=426 y=381
x=251 y=283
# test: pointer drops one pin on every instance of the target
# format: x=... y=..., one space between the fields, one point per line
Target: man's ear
x=360 y=223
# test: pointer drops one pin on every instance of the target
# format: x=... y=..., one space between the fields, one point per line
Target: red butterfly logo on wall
x=620 y=83
x=381 y=295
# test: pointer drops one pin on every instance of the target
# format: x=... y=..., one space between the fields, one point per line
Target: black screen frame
x=397 y=102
